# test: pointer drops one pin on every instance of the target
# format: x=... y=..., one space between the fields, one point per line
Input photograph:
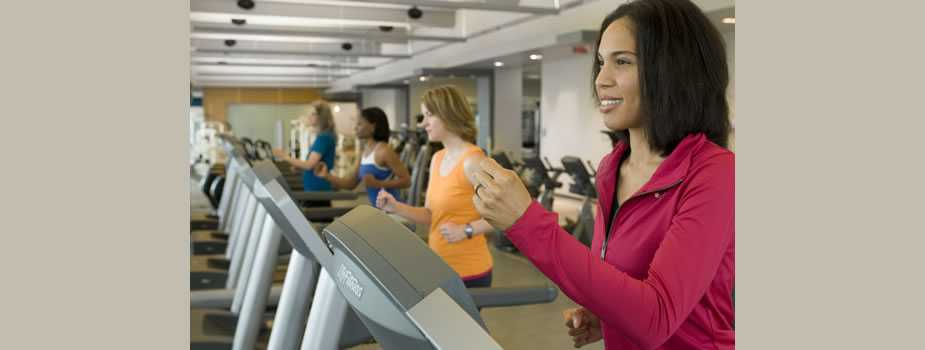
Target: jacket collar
x=672 y=170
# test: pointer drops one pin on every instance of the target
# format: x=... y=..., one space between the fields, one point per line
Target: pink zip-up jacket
x=667 y=277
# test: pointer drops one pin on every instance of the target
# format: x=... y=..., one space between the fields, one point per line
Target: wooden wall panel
x=215 y=100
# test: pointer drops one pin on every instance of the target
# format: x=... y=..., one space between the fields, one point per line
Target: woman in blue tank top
x=378 y=163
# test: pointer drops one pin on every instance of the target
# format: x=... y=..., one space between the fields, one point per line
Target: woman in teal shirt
x=321 y=151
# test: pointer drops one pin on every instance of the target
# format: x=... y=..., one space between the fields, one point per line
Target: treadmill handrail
x=324 y=195
x=512 y=296
x=324 y=213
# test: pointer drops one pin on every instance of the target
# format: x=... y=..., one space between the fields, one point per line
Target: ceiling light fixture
x=499 y=64
x=729 y=20
x=536 y=57
x=246 y=4
x=415 y=13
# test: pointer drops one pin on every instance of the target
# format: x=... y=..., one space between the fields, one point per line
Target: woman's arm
x=391 y=160
x=650 y=310
x=457 y=232
x=480 y=227
x=313 y=159
x=323 y=143
x=349 y=182
x=418 y=215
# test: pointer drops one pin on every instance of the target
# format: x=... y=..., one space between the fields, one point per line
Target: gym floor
x=522 y=327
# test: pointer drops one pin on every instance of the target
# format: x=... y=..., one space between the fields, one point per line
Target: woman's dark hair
x=682 y=72
x=375 y=116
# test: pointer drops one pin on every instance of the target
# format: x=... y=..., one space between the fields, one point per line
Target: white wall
x=571 y=125
x=258 y=121
x=345 y=117
x=532 y=89
x=387 y=100
x=508 y=118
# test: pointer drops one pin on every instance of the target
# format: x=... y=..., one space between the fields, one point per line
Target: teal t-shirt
x=324 y=145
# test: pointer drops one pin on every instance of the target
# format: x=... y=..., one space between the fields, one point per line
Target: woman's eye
x=621 y=61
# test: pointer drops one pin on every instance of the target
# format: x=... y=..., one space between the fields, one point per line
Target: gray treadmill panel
x=276 y=199
x=384 y=270
x=447 y=326
x=247 y=177
x=372 y=303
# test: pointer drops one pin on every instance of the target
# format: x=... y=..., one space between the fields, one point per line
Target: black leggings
x=481 y=282
x=316 y=204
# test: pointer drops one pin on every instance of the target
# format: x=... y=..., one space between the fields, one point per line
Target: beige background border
x=94 y=251
x=829 y=141
x=95 y=183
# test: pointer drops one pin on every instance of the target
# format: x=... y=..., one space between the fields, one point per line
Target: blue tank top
x=325 y=145
x=368 y=166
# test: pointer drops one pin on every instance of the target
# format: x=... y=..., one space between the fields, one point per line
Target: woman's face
x=436 y=129
x=364 y=129
x=617 y=83
x=313 y=118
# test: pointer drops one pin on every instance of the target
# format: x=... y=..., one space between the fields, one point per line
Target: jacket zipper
x=613 y=220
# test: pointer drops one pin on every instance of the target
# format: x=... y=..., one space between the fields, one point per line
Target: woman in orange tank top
x=457 y=230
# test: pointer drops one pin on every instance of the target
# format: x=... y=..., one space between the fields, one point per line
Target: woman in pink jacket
x=661 y=268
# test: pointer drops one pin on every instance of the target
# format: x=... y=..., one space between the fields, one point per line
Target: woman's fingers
x=492 y=167
x=486 y=186
x=574 y=332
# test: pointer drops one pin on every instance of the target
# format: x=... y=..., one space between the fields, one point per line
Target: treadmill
x=405 y=294
x=407 y=272
x=582 y=184
x=218 y=241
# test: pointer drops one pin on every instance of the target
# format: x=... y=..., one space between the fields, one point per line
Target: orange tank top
x=449 y=199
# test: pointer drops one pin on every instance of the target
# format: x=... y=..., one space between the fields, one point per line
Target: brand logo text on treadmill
x=345 y=277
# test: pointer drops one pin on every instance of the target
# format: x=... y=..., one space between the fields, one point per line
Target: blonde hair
x=448 y=104
x=325 y=116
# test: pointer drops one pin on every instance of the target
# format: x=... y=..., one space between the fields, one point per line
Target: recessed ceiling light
x=729 y=20
x=499 y=63
x=536 y=57
x=422 y=78
x=314 y=22
x=336 y=108
x=262 y=37
x=415 y=13
x=246 y=4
